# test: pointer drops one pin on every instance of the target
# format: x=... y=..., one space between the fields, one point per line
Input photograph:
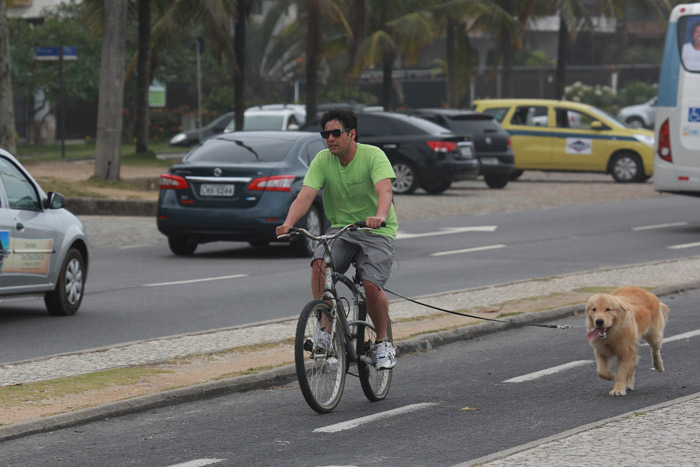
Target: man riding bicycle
x=356 y=181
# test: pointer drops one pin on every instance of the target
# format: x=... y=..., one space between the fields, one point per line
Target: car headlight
x=646 y=139
x=178 y=138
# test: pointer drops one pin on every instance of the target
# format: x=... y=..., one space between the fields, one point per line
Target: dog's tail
x=663 y=308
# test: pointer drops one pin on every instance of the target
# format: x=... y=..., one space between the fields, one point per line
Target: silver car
x=639 y=116
x=43 y=247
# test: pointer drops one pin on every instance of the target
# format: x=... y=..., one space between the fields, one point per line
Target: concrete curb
x=279 y=376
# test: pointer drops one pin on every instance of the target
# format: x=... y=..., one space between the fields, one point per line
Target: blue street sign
x=51 y=53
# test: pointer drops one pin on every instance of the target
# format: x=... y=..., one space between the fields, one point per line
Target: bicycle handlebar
x=359 y=225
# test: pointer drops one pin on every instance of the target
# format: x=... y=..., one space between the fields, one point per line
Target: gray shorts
x=373 y=255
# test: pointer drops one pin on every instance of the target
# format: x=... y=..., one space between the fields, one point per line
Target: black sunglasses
x=336 y=133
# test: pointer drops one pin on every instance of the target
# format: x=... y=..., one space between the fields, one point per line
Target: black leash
x=550 y=326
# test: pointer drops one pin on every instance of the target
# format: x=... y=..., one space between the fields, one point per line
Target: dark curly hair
x=345 y=116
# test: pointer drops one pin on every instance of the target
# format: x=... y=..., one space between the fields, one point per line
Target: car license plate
x=488 y=161
x=210 y=189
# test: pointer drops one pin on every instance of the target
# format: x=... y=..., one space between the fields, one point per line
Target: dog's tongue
x=593 y=334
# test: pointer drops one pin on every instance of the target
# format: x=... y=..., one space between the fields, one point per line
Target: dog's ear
x=622 y=305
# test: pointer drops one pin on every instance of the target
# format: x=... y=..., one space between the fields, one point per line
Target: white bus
x=677 y=125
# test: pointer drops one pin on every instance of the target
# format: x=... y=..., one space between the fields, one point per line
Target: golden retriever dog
x=615 y=323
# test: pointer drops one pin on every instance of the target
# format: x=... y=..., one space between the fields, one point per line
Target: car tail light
x=274 y=183
x=173 y=182
x=510 y=142
x=664 y=149
x=442 y=146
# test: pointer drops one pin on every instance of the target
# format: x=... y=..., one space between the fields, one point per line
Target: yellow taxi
x=556 y=135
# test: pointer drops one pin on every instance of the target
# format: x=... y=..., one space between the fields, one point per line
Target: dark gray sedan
x=238 y=187
x=43 y=247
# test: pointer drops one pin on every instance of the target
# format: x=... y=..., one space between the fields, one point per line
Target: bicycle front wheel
x=375 y=383
x=320 y=362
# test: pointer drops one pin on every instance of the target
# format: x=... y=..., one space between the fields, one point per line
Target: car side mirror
x=55 y=201
x=596 y=125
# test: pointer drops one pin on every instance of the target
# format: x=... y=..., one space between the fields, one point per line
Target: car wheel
x=406 y=178
x=181 y=245
x=65 y=299
x=497 y=180
x=313 y=222
x=435 y=187
x=635 y=122
x=626 y=168
x=515 y=174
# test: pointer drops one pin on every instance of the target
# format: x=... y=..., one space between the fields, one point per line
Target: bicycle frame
x=330 y=293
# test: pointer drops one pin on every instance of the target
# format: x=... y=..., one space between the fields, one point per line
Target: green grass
x=35 y=393
x=86 y=150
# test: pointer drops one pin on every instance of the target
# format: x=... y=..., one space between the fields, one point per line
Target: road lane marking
x=678 y=337
x=192 y=281
x=660 y=226
x=198 y=463
x=447 y=231
x=684 y=245
x=350 y=424
x=548 y=371
x=468 y=250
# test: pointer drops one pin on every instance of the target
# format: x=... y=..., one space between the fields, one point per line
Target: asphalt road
x=449 y=405
x=143 y=292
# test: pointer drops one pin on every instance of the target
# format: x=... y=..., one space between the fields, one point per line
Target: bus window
x=689 y=42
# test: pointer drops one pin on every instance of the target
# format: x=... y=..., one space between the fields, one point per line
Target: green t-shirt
x=348 y=192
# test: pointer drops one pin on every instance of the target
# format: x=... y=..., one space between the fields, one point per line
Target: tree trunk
x=507 y=64
x=313 y=52
x=563 y=43
x=387 y=69
x=239 y=78
x=451 y=62
x=359 y=29
x=7 y=116
x=143 y=76
x=111 y=93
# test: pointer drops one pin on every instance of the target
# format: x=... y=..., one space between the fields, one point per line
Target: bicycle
x=321 y=371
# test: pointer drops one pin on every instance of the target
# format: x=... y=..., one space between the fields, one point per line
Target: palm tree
x=111 y=98
x=7 y=118
x=573 y=14
x=397 y=28
x=507 y=24
x=460 y=58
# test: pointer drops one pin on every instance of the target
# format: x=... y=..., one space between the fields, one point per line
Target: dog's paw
x=618 y=391
x=608 y=375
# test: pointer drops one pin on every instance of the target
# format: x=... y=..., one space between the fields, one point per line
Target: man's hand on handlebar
x=374 y=222
x=282 y=229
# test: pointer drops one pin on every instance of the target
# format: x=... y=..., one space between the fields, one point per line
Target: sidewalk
x=667 y=434
x=665 y=277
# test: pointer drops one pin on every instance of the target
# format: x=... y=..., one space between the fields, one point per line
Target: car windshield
x=426 y=126
x=258 y=123
x=240 y=150
x=470 y=125
x=601 y=113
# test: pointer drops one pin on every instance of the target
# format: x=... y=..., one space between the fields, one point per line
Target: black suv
x=422 y=153
x=491 y=142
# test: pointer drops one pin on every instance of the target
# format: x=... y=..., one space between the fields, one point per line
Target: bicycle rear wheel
x=375 y=383
x=320 y=371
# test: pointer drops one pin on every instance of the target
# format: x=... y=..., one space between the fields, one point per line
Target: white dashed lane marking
x=350 y=424
x=192 y=281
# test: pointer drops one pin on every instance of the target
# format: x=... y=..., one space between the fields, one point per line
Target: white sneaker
x=386 y=355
